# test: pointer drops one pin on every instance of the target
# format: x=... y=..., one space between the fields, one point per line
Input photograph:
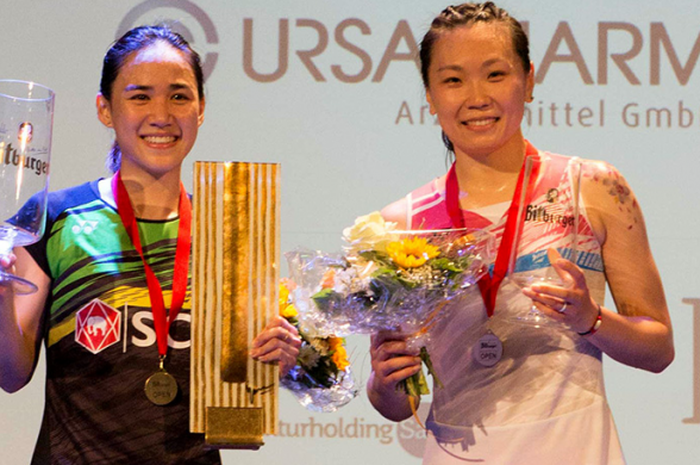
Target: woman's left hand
x=571 y=304
x=639 y=332
x=279 y=343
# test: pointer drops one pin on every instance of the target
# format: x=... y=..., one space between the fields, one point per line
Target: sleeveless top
x=544 y=402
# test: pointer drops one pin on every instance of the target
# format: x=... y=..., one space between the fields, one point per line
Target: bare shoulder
x=610 y=201
x=396 y=212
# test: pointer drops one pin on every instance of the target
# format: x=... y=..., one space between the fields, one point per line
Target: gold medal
x=161 y=387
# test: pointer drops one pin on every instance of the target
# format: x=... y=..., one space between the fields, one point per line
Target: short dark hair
x=134 y=40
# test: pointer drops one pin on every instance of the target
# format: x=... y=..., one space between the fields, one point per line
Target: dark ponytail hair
x=134 y=40
x=467 y=14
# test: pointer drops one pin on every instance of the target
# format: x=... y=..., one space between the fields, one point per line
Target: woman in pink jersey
x=543 y=402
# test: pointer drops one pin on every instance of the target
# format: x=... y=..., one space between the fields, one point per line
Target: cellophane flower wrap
x=388 y=280
x=322 y=379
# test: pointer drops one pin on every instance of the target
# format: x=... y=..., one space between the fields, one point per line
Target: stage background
x=352 y=135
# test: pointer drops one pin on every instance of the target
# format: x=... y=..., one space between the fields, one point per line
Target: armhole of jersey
x=582 y=209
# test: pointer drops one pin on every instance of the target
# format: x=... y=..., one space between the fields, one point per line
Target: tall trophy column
x=235 y=279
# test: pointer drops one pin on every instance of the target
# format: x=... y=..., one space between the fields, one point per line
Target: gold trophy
x=235 y=276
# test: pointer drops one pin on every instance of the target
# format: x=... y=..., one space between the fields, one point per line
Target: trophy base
x=20 y=285
x=234 y=427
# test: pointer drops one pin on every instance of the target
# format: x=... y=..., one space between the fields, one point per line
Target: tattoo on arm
x=616 y=186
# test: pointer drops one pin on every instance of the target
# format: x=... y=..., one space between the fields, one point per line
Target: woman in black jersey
x=105 y=290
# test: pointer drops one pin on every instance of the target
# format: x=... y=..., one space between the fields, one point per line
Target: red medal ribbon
x=489 y=284
x=161 y=321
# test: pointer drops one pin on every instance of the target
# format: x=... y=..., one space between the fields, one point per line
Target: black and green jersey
x=100 y=342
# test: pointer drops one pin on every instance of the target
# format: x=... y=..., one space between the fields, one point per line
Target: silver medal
x=488 y=350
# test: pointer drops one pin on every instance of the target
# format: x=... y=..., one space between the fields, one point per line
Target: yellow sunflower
x=284 y=296
x=411 y=252
x=287 y=310
x=340 y=355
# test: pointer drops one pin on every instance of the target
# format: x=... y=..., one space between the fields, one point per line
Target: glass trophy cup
x=26 y=122
x=553 y=220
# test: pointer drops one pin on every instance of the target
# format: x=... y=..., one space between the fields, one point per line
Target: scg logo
x=144 y=14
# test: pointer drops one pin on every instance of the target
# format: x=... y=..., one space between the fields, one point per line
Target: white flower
x=365 y=272
x=321 y=345
x=344 y=279
x=308 y=357
x=370 y=232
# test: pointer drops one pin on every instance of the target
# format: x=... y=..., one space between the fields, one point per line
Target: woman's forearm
x=392 y=405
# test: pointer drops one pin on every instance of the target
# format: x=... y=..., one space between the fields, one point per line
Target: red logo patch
x=97 y=326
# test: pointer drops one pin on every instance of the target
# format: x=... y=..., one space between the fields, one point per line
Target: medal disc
x=161 y=388
x=488 y=350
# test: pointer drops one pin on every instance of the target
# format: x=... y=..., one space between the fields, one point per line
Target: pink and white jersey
x=548 y=218
x=544 y=402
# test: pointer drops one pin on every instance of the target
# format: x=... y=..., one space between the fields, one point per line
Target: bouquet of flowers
x=322 y=379
x=388 y=280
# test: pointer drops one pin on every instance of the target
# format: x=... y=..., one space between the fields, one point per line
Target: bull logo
x=97 y=326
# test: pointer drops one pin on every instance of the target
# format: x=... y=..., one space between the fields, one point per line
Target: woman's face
x=155 y=109
x=478 y=88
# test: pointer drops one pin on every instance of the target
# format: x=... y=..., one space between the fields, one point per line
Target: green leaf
x=425 y=356
x=446 y=264
x=381 y=259
x=326 y=298
x=415 y=386
x=384 y=271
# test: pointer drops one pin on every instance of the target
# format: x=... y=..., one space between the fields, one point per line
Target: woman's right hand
x=7 y=263
x=392 y=362
x=20 y=320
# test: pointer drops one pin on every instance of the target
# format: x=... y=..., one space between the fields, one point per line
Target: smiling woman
x=115 y=252
x=543 y=401
x=479 y=97
x=152 y=95
x=155 y=111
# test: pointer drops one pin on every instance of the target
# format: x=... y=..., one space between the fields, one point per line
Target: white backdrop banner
x=331 y=90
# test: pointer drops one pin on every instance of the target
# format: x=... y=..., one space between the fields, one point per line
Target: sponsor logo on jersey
x=142 y=333
x=84 y=226
x=97 y=326
x=554 y=214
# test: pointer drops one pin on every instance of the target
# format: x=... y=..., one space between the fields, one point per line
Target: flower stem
x=425 y=356
x=417 y=385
